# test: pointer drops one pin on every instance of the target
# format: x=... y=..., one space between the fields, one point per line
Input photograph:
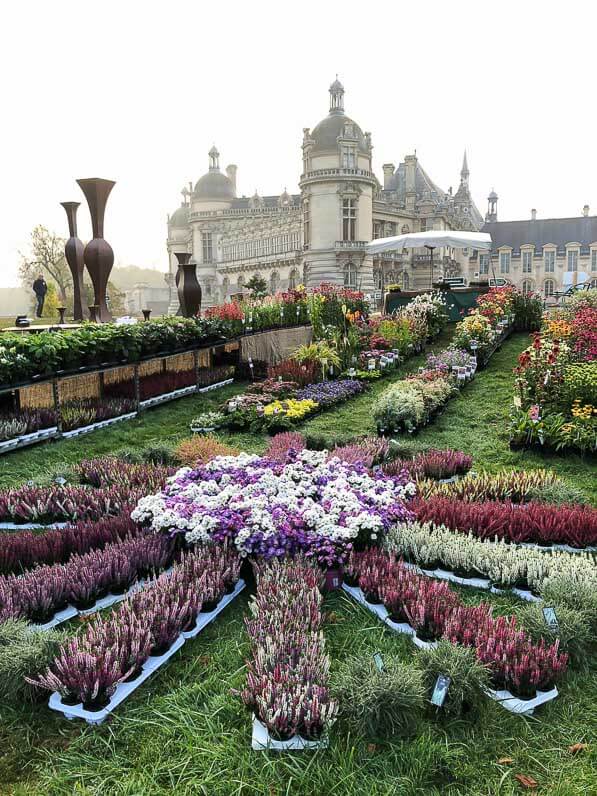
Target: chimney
x=585 y=211
x=533 y=215
x=231 y=172
x=388 y=173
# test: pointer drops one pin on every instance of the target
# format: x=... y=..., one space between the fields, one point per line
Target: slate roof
x=543 y=231
x=242 y=203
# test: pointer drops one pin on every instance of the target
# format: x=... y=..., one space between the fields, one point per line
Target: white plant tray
x=522 y=707
x=76 y=432
x=29 y=526
x=204 y=619
x=566 y=548
x=168 y=396
x=477 y=583
x=382 y=612
x=261 y=740
x=62 y=616
x=123 y=690
x=216 y=386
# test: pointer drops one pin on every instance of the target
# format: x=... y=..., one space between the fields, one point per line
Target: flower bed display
x=411 y=403
x=287 y=675
x=96 y=670
x=555 y=404
x=49 y=595
x=539 y=523
x=523 y=673
x=516 y=486
x=433 y=464
x=110 y=471
x=22 y=550
x=43 y=505
x=498 y=565
x=271 y=509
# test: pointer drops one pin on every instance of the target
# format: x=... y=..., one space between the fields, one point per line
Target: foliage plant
x=24 y=653
x=379 y=704
x=199 y=450
x=469 y=678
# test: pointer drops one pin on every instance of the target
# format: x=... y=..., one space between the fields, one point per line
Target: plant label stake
x=378 y=660
x=549 y=614
x=251 y=366
x=440 y=690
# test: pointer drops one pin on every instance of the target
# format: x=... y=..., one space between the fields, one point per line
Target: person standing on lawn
x=40 y=288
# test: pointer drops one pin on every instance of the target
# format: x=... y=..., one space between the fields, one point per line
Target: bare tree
x=46 y=257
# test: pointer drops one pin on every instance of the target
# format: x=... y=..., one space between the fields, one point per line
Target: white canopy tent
x=457 y=239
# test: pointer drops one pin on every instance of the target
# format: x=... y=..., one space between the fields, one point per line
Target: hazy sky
x=138 y=92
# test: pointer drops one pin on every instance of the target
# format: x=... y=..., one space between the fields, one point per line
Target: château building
x=319 y=234
x=543 y=255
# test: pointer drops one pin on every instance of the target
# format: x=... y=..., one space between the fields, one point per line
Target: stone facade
x=538 y=255
x=319 y=234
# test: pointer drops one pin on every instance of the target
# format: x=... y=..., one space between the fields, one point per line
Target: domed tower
x=213 y=194
x=337 y=187
x=492 y=201
x=179 y=240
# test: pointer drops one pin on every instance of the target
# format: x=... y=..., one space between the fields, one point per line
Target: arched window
x=527 y=287
x=378 y=278
x=405 y=229
x=274 y=282
x=350 y=275
x=405 y=281
x=292 y=279
x=548 y=288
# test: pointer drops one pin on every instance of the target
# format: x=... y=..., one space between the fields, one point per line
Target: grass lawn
x=184 y=732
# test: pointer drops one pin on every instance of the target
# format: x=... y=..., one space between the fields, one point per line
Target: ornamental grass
x=202 y=449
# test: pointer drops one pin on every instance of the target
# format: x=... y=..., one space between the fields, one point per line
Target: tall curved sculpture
x=189 y=289
x=73 y=251
x=98 y=254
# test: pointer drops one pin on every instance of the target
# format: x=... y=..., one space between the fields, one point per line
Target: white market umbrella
x=457 y=239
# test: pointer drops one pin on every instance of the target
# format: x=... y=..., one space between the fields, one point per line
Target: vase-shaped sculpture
x=189 y=289
x=99 y=257
x=73 y=251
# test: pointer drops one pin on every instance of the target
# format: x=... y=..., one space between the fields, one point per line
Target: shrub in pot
x=24 y=652
x=574 y=631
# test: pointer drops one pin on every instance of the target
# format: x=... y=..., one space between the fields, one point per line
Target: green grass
x=184 y=732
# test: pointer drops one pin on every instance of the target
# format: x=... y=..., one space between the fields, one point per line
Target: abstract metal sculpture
x=189 y=289
x=73 y=251
x=99 y=257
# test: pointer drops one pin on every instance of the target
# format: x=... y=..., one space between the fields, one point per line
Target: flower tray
x=522 y=707
x=110 y=599
x=262 y=740
x=28 y=439
x=202 y=429
x=475 y=583
x=565 y=548
x=382 y=613
x=123 y=690
x=204 y=619
x=76 y=432
x=29 y=526
x=168 y=396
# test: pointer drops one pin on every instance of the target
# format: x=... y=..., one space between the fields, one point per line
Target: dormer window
x=349 y=157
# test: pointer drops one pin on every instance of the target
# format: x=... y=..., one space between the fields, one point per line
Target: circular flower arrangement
x=322 y=506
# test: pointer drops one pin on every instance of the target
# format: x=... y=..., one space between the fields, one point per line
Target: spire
x=214 y=159
x=464 y=172
x=336 y=97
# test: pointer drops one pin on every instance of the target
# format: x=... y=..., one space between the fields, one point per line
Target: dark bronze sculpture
x=189 y=289
x=99 y=257
x=73 y=251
